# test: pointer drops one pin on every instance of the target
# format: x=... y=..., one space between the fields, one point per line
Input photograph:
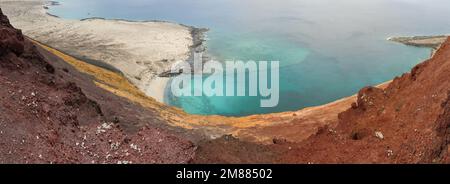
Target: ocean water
x=328 y=49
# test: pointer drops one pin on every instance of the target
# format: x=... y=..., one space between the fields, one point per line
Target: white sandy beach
x=140 y=50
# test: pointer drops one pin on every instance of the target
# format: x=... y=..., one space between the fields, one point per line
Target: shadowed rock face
x=11 y=40
x=13 y=48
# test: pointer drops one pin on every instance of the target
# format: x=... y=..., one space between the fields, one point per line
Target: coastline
x=141 y=50
x=433 y=42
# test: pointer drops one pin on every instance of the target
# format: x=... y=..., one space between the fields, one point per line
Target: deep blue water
x=328 y=49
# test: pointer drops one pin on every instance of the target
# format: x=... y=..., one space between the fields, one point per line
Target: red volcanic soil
x=50 y=113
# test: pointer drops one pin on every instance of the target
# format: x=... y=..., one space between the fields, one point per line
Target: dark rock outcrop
x=11 y=40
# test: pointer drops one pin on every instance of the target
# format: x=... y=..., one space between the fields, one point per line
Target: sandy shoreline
x=140 y=50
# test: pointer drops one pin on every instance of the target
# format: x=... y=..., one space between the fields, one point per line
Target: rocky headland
x=433 y=42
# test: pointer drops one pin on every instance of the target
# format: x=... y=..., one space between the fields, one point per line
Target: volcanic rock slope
x=51 y=113
x=407 y=122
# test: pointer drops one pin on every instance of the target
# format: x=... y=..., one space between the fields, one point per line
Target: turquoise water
x=327 y=49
